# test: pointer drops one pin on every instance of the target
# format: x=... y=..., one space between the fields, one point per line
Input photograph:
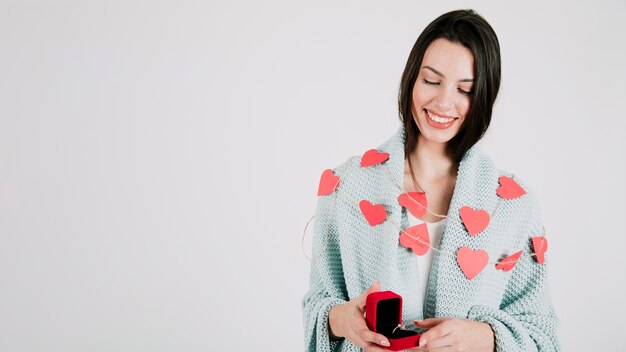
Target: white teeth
x=438 y=119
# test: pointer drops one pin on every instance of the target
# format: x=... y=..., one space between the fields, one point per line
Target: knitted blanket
x=349 y=254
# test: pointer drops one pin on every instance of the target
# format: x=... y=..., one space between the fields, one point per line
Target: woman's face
x=441 y=94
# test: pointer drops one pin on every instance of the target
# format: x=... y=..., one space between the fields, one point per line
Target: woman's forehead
x=449 y=59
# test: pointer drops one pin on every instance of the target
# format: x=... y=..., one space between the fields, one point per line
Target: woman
x=474 y=279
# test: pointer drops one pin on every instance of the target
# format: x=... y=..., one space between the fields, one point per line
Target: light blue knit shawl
x=349 y=255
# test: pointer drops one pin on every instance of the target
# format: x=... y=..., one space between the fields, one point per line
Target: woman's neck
x=431 y=160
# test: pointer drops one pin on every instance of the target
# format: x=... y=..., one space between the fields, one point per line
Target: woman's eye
x=465 y=91
x=431 y=82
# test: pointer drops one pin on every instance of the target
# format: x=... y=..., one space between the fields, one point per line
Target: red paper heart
x=472 y=262
x=509 y=189
x=415 y=202
x=374 y=214
x=328 y=183
x=540 y=245
x=509 y=262
x=416 y=238
x=474 y=220
x=373 y=157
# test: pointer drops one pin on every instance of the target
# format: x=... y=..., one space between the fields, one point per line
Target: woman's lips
x=438 y=121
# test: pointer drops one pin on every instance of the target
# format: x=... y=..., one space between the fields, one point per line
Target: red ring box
x=383 y=313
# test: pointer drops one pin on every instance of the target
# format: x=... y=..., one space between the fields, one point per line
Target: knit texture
x=349 y=255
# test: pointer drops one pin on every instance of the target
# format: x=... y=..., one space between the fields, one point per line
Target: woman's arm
x=526 y=320
x=329 y=314
x=327 y=287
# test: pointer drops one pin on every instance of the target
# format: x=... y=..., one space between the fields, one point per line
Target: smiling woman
x=463 y=247
x=441 y=99
x=468 y=48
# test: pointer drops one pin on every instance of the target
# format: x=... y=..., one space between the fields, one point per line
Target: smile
x=438 y=118
x=438 y=121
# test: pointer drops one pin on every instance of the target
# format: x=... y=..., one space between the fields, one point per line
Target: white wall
x=158 y=161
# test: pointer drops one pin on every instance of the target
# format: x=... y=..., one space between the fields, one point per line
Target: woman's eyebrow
x=441 y=74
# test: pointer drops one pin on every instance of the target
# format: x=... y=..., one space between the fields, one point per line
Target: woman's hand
x=448 y=334
x=346 y=320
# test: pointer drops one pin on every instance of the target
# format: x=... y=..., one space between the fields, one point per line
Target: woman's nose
x=444 y=100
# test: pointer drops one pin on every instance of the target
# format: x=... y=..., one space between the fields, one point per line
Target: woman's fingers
x=451 y=334
x=374 y=348
x=439 y=343
x=428 y=323
x=371 y=337
x=426 y=349
x=367 y=336
x=347 y=320
x=437 y=328
x=360 y=301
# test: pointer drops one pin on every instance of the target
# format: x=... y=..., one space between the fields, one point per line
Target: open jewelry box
x=383 y=314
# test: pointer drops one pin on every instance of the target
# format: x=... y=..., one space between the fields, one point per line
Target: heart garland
x=509 y=262
x=509 y=189
x=373 y=157
x=540 y=245
x=414 y=202
x=374 y=214
x=328 y=183
x=474 y=220
x=472 y=262
x=416 y=238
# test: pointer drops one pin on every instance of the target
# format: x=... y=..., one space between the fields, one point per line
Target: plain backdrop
x=159 y=160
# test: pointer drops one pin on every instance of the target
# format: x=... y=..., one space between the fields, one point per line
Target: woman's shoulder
x=376 y=163
x=373 y=175
x=478 y=165
x=506 y=186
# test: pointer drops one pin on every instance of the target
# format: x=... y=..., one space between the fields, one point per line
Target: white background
x=158 y=161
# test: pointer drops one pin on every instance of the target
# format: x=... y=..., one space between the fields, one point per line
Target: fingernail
x=385 y=343
x=422 y=343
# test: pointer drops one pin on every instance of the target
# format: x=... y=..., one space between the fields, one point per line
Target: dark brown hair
x=469 y=29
